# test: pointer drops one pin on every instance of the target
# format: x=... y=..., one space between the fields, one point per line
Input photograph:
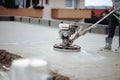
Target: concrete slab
x=18 y=18
x=45 y=22
x=31 y=40
x=25 y=19
x=35 y=20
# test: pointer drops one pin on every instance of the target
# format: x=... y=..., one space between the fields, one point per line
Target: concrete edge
x=100 y=29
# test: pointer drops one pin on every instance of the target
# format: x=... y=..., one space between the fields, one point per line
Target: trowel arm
x=91 y=27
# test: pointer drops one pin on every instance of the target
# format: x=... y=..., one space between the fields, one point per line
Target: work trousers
x=113 y=23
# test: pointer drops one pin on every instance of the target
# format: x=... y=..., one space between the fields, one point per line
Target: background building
x=47 y=9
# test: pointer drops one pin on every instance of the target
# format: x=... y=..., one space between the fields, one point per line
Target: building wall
x=81 y=4
x=52 y=4
x=46 y=14
x=27 y=12
x=58 y=4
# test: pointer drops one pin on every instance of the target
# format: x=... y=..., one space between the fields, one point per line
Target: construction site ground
x=33 y=40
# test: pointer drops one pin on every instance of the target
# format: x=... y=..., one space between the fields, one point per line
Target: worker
x=114 y=20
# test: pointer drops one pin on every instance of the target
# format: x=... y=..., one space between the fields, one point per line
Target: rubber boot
x=108 y=43
x=118 y=50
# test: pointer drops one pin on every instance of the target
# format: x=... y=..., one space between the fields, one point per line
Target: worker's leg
x=119 y=35
x=118 y=50
x=111 y=32
x=112 y=26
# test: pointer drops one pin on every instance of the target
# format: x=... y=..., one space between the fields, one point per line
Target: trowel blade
x=60 y=47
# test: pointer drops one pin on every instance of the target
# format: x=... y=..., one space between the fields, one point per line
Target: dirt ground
x=6 y=58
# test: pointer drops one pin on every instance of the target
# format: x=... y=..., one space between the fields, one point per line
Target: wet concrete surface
x=31 y=40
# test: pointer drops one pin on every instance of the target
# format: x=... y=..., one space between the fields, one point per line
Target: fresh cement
x=30 y=40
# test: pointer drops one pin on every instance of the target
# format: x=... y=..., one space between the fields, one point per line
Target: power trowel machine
x=69 y=33
x=66 y=31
